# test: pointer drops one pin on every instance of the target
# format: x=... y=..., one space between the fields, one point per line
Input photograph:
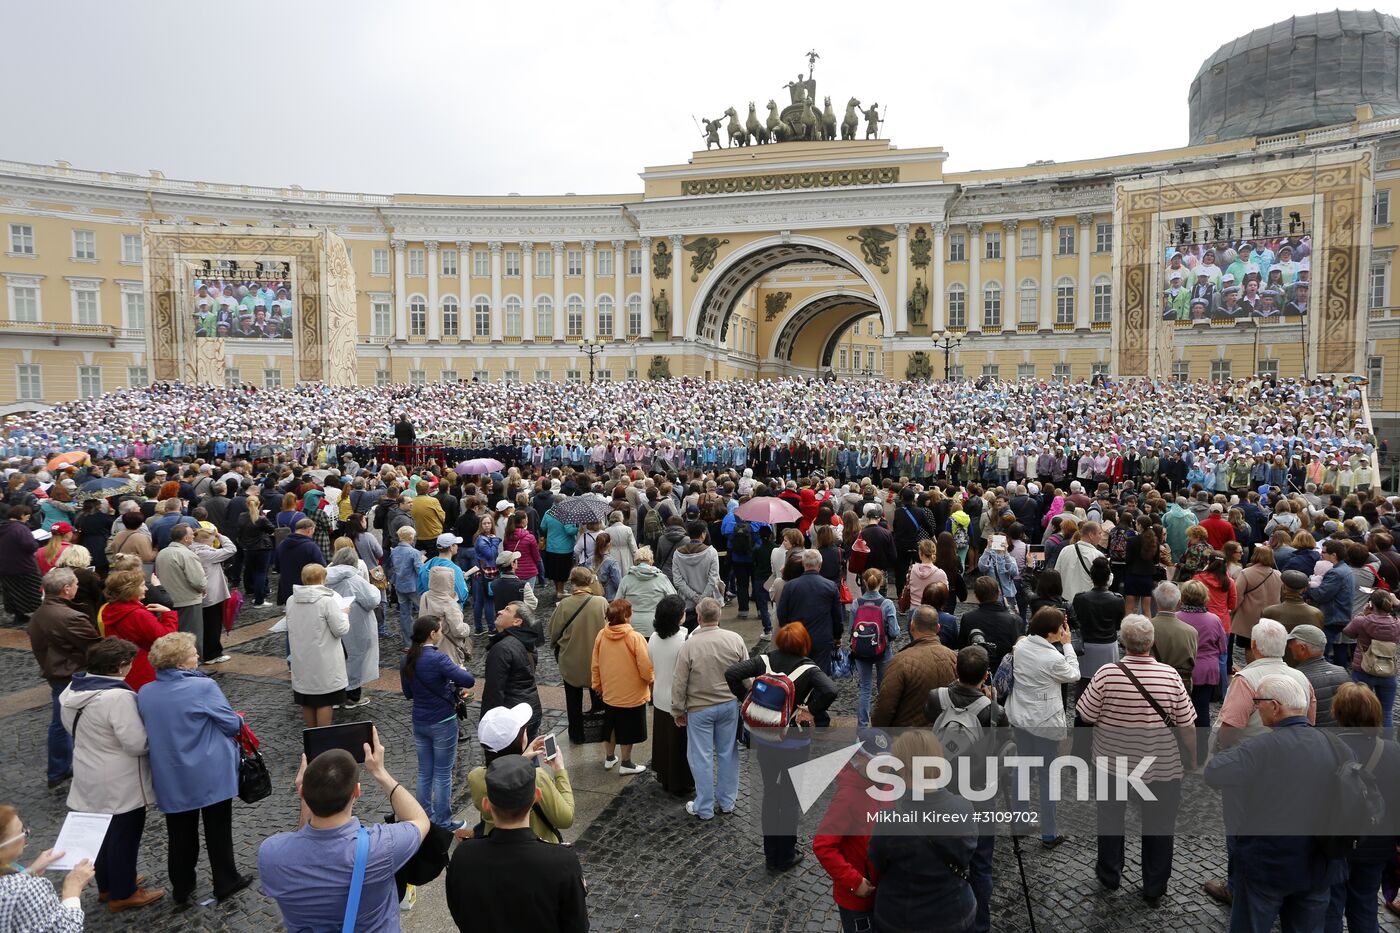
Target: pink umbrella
x=478 y=467
x=770 y=510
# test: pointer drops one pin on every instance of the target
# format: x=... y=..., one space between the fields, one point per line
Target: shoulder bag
x=566 y=626
x=1186 y=762
x=357 y=881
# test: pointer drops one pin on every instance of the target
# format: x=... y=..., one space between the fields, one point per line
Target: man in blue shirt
x=308 y=871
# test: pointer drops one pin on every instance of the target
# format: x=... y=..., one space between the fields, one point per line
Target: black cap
x=510 y=783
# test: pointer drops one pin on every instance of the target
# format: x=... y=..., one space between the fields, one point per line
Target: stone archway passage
x=725 y=293
x=860 y=306
x=829 y=348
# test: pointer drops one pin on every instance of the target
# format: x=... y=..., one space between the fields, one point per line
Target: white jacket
x=210 y=558
x=1041 y=668
x=315 y=626
x=111 y=768
x=624 y=545
x=1073 y=566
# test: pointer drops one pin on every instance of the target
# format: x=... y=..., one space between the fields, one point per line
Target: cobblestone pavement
x=649 y=866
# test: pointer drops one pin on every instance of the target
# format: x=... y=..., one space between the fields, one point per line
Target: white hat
x=501 y=725
x=446 y=540
x=504 y=504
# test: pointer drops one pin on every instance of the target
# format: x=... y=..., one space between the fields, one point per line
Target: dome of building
x=1304 y=72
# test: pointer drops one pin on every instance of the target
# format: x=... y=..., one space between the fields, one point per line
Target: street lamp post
x=590 y=349
x=947 y=344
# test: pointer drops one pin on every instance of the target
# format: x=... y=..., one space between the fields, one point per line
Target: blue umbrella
x=105 y=486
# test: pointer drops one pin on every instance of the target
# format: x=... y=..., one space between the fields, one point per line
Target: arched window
x=1103 y=300
x=605 y=316
x=1064 y=301
x=634 y=316
x=991 y=306
x=481 y=313
x=515 y=318
x=957 y=305
x=417 y=316
x=544 y=317
x=450 y=317
x=573 y=316
x=1030 y=301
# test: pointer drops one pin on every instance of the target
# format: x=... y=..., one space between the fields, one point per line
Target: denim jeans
x=864 y=669
x=60 y=742
x=437 y=754
x=759 y=592
x=1384 y=688
x=483 y=605
x=255 y=566
x=1354 y=900
x=1029 y=743
x=979 y=877
x=1256 y=906
x=408 y=611
x=710 y=738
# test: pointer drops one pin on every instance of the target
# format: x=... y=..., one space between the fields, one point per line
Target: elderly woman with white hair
x=213 y=549
x=1239 y=714
x=644 y=586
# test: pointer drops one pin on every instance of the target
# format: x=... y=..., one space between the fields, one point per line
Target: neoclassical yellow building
x=740 y=262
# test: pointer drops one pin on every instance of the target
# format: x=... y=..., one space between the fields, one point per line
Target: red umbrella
x=769 y=510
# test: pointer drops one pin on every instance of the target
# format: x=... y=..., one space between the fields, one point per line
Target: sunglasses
x=23 y=834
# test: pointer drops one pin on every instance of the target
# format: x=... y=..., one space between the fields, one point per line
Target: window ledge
x=130 y=262
x=22 y=255
x=89 y=261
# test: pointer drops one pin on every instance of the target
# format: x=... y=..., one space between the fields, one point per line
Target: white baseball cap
x=500 y=725
x=447 y=540
x=504 y=504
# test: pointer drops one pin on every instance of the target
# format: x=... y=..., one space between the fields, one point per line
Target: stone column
x=1047 y=282
x=937 y=300
x=496 y=311
x=400 y=292
x=1011 y=289
x=557 y=246
x=678 y=313
x=590 y=327
x=901 y=280
x=1084 y=291
x=974 y=278
x=527 y=273
x=464 y=292
x=434 y=312
x=619 y=289
x=645 y=244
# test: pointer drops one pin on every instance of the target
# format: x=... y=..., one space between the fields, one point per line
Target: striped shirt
x=1127 y=725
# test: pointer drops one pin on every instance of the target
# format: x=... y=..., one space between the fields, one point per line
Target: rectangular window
x=957 y=373
x=381 y=318
x=418 y=377
x=417 y=262
x=631 y=375
x=573 y=265
x=634 y=262
x=1103 y=302
x=841 y=358
x=991 y=371
x=542 y=375
x=993 y=245
x=1375 y=371
x=1268 y=368
x=957 y=247
x=544 y=263
x=1063 y=371
x=134 y=310
x=24 y=303
x=449 y=375
x=604 y=375
x=84 y=245
x=1181 y=371
x=137 y=376
x=991 y=307
x=22 y=239
x=30 y=381
x=272 y=378
x=131 y=248
x=1098 y=369
x=1030 y=302
x=510 y=375
x=89 y=381
x=450 y=319
x=417 y=319
x=379 y=262
x=855 y=357
x=481 y=263
x=1380 y=210
x=1103 y=238
x=957 y=308
x=1030 y=242
x=1220 y=370
x=573 y=375
x=1273 y=221
x=382 y=377
x=1025 y=370
x=482 y=314
x=85 y=305
x=1066 y=241
x=512 y=263
x=1064 y=303
x=1380 y=271
x=605 y=262
x=232 y=378
x=448 y=260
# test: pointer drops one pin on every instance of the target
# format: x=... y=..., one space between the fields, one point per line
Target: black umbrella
x=106 y=486
x=581 y=510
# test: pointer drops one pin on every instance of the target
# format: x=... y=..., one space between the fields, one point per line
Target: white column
x=557 y=246
x=1011 y=289
x=1084 y=291
x=678 y=312
x=496 y=310
x=400 y=293
x=1047 y=282
x=464 y=291
x=901 y=280
x=645 y=244
x=974 y=278
x=590 y=327
x=527 y=273
x=434 y=312
x=619 y=289
x=938 y=301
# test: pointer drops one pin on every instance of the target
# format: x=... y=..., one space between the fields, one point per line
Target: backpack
x=860 y=556
x=958 y=728
x=960 y=538
x=772 y=699
x=741 y=541
x=869 y=641
x=1357 y=808
x=652 y=526
x=1118 y=545
x=1378 y=659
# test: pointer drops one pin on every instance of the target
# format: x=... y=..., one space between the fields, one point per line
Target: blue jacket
x=404 y=561
x=1334 y=596
x=1295 y=748
x=295 y=552
x=812 y=600
x=433 y=686
x=190 y=727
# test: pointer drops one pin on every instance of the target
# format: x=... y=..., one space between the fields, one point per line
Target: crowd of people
x=1133 y=552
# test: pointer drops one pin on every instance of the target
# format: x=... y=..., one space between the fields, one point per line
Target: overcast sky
x=544 y=97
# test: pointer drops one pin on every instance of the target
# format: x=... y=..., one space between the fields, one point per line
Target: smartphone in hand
x=551 y=747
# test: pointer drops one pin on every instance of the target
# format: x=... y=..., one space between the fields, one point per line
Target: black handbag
x=595 y=727
x=254 y=781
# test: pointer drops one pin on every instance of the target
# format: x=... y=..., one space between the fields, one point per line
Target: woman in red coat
x=125 y=616
x=843 y=838
x=807 y=505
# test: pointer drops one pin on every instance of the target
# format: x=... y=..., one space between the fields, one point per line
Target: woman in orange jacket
x=622 y=675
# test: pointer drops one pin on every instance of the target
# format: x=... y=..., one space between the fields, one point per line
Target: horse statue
x=777 y=129
x=850 y=122
x=828 y=121
x=737 y=136
x=758 y=133
x=811 y=121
